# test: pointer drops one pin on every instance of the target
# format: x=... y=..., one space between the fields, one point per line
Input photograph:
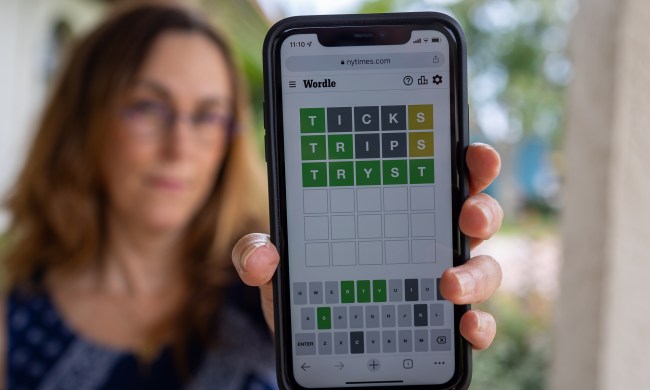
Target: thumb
x=255 y=258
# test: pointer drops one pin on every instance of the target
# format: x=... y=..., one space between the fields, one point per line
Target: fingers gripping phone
x=366 y=119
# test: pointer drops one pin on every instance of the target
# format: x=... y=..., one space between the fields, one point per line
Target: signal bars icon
x=426 y=40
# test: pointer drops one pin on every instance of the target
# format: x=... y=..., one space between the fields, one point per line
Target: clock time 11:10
x=300 y=44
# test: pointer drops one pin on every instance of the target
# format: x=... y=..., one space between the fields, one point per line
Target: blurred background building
x=572 y=163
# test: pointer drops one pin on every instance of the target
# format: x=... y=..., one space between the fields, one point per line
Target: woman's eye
x=148 y=106
x=210 y=118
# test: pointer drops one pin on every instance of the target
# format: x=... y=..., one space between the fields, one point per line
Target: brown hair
x=58 y=202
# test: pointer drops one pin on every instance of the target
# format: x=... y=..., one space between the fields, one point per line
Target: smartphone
x=366 y=132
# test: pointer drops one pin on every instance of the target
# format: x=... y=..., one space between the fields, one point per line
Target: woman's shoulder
x=246 y=300
x=35 y=337
x=41 y=349
x=244 y=357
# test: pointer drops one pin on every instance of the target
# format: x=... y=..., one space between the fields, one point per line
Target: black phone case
x=275 y=163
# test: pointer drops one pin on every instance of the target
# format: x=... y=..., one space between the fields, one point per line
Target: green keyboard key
x=324 y=316
x=379 y=291
x=363 y=291
x=347 y=291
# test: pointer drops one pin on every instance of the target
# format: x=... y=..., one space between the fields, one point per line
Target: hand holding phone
x=404 y=152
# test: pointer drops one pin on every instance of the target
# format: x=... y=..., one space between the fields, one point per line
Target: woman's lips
x=167 y=183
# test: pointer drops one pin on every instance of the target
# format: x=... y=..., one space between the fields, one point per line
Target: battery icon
x=435 y=40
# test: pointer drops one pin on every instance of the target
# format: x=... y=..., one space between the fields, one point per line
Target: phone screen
x=367 y=134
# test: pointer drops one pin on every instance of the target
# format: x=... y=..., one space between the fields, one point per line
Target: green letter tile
x=394 y=172
x=313 y=147
x=368 y=172
x=341 y=173
x=312 y=120
x=347 y=291
x=314 y=174
x=363 y=291
x=340 y=147
x=379 y=291
x=324 y=317
x=422 y=171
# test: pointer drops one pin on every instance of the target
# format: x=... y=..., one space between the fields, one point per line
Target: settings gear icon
x=437 y=79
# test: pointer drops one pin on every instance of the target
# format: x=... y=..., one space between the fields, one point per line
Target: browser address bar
x=426 y=60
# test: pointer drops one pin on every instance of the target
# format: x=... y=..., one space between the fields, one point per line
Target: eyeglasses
x=149 y=120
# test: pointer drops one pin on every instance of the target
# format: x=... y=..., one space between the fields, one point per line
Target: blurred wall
x=32 y=39
x=602 y=327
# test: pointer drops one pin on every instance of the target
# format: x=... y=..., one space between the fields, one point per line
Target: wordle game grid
x=368 y=185
x=364 y=316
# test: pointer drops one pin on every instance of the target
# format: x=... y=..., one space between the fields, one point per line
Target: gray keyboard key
x=341 y=343
x=307 y=318
x=436 y=314
x=428 y=290
x=300 y=293
x=356 y=317
x=388 y=316
x=331 y=292
x=324 y=343
x=441 y=340
x=372 y=316
x=420 y=317
x=305 y=344
x=340 y=317
x=315 y=293
x=404 y=316
x=405 y=338
x=388 y=341
x=356 y=342
x=395 y=290
x=373 y=342
x=410 y=290
x=440 y=297
x=421 y=340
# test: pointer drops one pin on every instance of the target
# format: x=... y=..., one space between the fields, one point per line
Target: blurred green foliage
x=516 y=59
x=518 y=358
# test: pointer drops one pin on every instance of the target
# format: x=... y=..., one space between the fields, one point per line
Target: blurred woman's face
x=170 y=134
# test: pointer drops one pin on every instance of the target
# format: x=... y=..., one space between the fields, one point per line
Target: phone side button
x=266 y=115
x=266 y=148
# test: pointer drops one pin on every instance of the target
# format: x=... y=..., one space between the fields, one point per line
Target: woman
x=139 y=181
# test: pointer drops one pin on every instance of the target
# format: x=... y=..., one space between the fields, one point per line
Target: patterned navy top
x=44 y=353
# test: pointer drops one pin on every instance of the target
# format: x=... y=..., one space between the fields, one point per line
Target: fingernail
x=486 y=210
x=246 y=246
x=480 y=322
x=465 y=282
